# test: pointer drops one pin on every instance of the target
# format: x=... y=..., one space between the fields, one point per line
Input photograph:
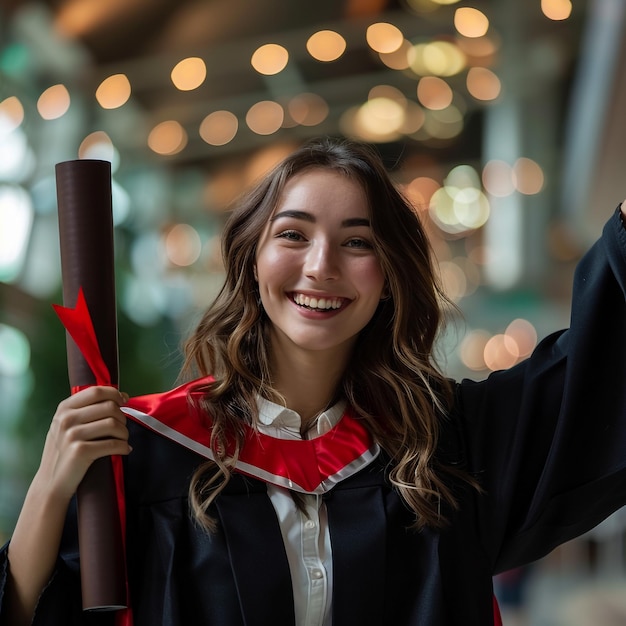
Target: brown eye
x=290 y=235
x=357 y=242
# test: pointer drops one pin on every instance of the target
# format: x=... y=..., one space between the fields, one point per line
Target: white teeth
x=317 y=303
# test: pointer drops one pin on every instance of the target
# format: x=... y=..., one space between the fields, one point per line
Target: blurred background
x=501 y=120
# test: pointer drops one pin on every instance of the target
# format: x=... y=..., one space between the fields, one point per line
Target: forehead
x=322 y=189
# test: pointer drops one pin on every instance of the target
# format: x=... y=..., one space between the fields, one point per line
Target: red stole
x=307 y=465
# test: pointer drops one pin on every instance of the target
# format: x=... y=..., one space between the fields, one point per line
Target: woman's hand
x=86 y=426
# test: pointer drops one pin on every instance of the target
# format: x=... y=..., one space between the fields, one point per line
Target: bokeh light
x=556 y=9
x=308 y=109
x=471 y=22
x=265 y=117
x=270 y=59
x=497 y=177
x=11 y=114
x=524 y=334
x=326 y=45
x=384 y=37
x=483 y=84
x=54 y=102
x=434 y=93
x=167 y=138
x=438 y=58
x=219 y=128
x=528 y=176
x=189 y=73
x=398 y=59
x=98 y=145
x=183 y=245
x=113 y=92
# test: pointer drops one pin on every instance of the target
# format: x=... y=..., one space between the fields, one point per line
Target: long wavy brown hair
x=391 y=380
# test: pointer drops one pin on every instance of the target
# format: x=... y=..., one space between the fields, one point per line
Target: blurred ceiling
x=563 y=91
x=81 y=42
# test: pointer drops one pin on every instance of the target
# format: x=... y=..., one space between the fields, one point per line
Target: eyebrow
x=308 y=217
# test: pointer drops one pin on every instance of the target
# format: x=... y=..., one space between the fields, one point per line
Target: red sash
x=307 y=465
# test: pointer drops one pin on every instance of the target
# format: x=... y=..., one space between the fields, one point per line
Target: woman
x=347 y=481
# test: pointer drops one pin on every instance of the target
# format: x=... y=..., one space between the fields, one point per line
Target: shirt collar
x=279 y=421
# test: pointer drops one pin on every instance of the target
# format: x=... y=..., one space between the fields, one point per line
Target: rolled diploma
x=87 y=262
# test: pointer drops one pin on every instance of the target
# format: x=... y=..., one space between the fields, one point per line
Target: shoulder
x=157 y=468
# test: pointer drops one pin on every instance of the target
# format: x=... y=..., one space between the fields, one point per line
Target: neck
x=307 y=381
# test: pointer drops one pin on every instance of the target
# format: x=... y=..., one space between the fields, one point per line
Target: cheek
x=372 y=277
x=272 y=267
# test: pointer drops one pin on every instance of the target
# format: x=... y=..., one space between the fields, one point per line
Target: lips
x=318 y=303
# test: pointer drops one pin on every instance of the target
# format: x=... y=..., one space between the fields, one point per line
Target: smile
x=318 y=304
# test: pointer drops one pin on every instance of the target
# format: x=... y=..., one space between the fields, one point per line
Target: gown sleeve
x=60 y=601
x=547 y=439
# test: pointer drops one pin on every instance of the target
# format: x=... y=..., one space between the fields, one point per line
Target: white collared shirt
x=305 y=534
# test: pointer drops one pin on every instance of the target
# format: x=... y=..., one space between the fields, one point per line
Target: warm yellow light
x=387 y=91
x=398 y=59
x=470 y=22
x=420 y=191
x=326 y=45
x=97 y=145
x=189 y=73
x=167 y=138
x=556 y=9
x=483 y=84
x=11 y=114
x=453 y=280
x=113 y=91
x=444 y=123
x=308 y=109
x=270 y=59
x=497 y=177
x=265 y=118
x=528 y=176
x=434 y=93
x=472 y=350
x=53 y=102
x=440 y=58
x=183 y=245
x=524 y=335
x=384 y=37
x=219 y=128
x=414 y=118
x=478 y=48
x=381 y=116
x=501 y=352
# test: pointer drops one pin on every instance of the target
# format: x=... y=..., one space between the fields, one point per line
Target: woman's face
x=319 y=278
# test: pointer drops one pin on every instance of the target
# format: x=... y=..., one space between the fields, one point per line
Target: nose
x=321 y=262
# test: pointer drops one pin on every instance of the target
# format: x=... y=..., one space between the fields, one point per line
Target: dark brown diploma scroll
x=87 y=262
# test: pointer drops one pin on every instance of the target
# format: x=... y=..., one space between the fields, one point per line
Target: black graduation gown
x=546 y=439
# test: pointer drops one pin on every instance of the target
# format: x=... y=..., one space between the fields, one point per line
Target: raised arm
x=547 y=438
x=86 y=426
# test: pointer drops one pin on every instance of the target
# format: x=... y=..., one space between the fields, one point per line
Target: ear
x=385 y=294
x=256 y=276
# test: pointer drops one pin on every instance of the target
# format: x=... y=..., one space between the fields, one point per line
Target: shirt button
x=309 y=524
x=317 y=574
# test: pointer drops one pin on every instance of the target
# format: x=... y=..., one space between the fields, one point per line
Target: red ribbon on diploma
x=78 y=323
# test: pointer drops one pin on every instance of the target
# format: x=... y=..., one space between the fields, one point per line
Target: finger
x=66 y=419
x=94 y=394
x=107 y=428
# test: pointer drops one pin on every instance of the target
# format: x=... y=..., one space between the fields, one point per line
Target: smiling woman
x=319 y=278
x=316 y=433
